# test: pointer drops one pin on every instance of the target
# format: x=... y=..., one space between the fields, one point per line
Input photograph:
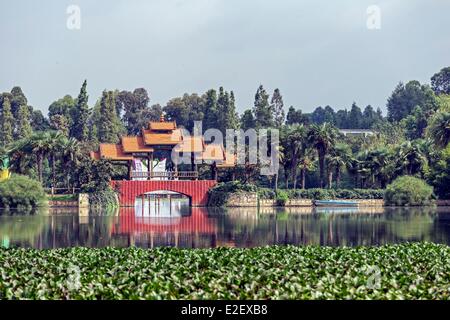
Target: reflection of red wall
x=197 y=190
x=197 y=222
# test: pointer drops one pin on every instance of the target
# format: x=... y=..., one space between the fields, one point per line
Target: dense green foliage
x=21 y=192
x=7 y=123
x=323 y=194
x=218 y=195
x=312 y=152
x=406 y=271
x=408 y=191
x=440 y=81
x=81 y=116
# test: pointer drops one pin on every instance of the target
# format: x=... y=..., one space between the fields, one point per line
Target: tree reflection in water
x=179 y=225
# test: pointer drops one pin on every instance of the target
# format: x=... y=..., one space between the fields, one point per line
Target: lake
x=152 y=224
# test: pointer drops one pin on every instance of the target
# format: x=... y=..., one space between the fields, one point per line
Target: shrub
x=218 y=196
x=105 y=199
x=281 y=198
x=266 y=193
x=408 y=191
x=21 y=192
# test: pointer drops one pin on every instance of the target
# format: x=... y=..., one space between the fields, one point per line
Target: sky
x=316 y=52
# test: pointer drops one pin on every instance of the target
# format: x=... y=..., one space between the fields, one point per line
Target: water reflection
x=177 y=224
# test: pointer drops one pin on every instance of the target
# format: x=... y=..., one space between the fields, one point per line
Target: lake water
x=176 y=224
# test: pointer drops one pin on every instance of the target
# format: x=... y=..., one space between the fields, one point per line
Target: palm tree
x=297 y=147
x=339 y=158
x=39 y=145
x=306 y=163
x=439 y=128
x=71 y=152
x=58 y=141
x=322 y=137
x=411 y=156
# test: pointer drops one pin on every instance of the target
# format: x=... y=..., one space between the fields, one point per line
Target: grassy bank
x=407 y=271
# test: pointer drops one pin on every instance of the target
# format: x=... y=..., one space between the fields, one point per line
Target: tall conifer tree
x=80 y=128
x=7 y=123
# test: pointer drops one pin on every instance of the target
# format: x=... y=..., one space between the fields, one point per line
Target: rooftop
x=135 y=144
x=113 y=152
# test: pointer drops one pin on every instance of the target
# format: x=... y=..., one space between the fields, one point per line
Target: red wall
x=197 y=190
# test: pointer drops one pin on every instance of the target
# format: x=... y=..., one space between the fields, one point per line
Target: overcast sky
x=318 y=52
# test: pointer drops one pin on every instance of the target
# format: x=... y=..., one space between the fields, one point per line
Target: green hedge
x=409 y=191
x=21 y=192
x=404 y=271
x=322 y=194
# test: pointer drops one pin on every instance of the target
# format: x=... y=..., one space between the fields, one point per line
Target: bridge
x=195 y=190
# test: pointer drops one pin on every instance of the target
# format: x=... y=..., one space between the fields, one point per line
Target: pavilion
x=141 y=154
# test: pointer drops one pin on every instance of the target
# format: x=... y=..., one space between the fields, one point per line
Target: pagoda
x=147 y=156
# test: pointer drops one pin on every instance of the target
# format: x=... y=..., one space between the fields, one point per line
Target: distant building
x=357 y=132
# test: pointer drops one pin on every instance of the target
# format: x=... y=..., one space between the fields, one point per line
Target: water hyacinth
x=404 y=271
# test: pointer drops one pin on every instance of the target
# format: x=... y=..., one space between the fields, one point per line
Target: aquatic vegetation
x=405 y=271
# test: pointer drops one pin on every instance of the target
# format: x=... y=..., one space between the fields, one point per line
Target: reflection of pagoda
x=162 y=137
x=194 y=230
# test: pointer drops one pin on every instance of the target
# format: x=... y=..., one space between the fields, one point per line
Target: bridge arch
x=196 y=190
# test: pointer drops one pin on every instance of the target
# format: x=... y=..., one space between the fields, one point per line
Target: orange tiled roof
x=213 y=152
x=135 y=144
x=95 y=155
x=190 y=144
x=162 y=125
x=157 y=138
x=113 y=152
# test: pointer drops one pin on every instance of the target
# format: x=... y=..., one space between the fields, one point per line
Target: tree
x=232 y=115
x=411 y=157
x=406 y=97
x=39 y=122
x=133 y=104
x=342 y=119
x=60 y=123
x=277 y=107
x=39 y=145
x=247 y=120
x=339 y=158
x=322 y=137
x=296 y=146
x=369 y=118
x=80 y=129
x=439 y=128
x=355 y=117
x=415 y=123
x=211 y=110
x=296 y=117
x=185 y=110
x=60 y=113
x=7 y=123
x=261 y=110
x=440 y=82
x=17 y=99
x=109 y=127
x=23 y=122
